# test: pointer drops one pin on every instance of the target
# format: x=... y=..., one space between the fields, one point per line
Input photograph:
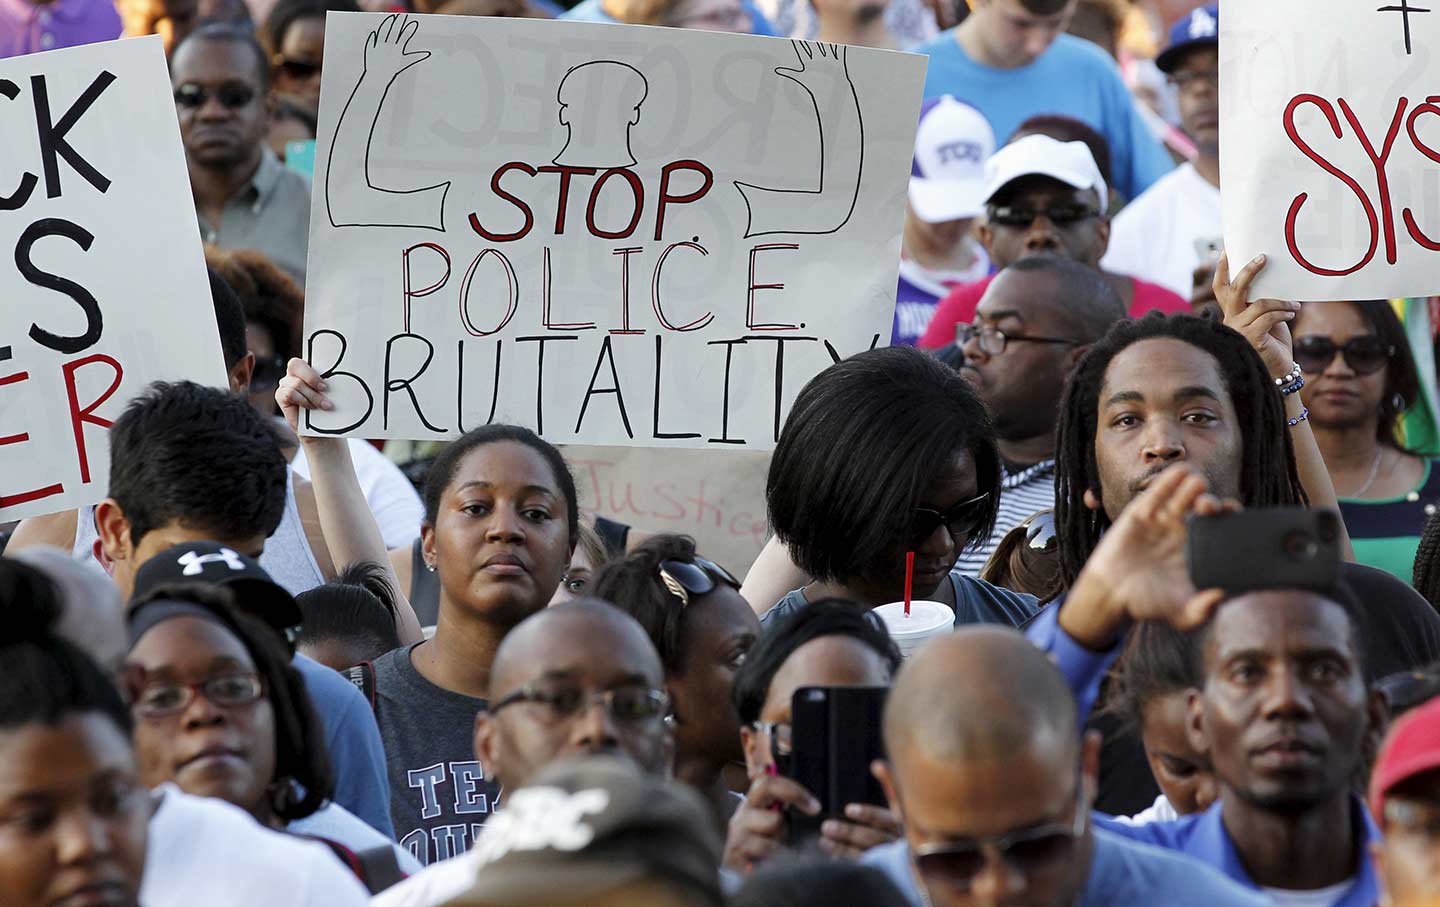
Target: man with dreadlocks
x=1161 y=391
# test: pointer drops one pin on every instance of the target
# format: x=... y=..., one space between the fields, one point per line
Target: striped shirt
x=1022 y=494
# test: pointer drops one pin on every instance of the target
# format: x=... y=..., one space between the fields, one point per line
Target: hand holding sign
x=1265 y=323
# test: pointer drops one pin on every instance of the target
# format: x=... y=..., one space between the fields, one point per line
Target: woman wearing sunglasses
x=886 y=454
x=219 y=712
x=1359 y=380
x=692 y=611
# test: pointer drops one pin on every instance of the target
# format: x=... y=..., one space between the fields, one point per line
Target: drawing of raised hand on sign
x=351 y=195
x=826 y=205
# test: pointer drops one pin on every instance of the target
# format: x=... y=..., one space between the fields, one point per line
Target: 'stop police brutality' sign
x=611 y=234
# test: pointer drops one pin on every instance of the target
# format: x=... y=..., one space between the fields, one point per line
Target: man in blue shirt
x=1285 y=712
x=1011 y=59
x=994 y=786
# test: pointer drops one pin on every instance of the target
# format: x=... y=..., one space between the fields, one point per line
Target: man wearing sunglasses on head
x=244 y=196
x=993 y=784
x=1043 y=197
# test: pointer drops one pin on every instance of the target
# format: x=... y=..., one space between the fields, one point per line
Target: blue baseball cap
x=1199 y=29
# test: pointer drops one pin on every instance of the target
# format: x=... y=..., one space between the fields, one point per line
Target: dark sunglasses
x=296 y=69
x=1365 y=355
x=697 y=576
x=1059 y=215
x=961 y=520
x=268 y=371
x=1040 y=531
x=1033 y=851
x=231 y=95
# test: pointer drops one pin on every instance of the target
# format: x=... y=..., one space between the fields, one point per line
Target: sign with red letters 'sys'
x=1330 y=158
x=108 y=292
x=611 y=234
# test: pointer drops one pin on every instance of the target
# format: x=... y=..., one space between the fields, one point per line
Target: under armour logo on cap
x=194 y=562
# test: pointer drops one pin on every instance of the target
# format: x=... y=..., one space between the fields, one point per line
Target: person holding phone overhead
x=1359 y=381
x=830 y=643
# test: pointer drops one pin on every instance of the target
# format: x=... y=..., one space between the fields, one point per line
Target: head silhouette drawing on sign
x=599 y=103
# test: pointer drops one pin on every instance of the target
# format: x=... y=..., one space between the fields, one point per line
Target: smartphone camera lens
x=1300 y=546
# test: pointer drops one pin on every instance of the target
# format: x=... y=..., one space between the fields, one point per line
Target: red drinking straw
x=909 y=578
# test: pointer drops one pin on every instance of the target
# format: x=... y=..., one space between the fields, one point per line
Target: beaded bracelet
x=1291 y=378
x=1304 y=415
x=1293 y=388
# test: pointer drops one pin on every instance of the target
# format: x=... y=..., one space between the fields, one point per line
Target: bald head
x=560 y=638
x=1080 y=296
x=982 y=693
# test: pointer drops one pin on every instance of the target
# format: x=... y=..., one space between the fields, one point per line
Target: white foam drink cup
x=926 y=621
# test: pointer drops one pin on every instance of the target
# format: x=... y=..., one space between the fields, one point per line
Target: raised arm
x=349 y=527
x=772 y=577
x=1266 y=324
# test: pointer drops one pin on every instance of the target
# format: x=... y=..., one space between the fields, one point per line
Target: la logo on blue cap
x=1203 y=24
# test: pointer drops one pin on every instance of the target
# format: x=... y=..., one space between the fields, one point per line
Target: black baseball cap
x=213 y=564
x=581 y=827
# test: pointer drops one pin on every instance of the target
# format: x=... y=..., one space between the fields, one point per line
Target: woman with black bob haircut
x=830 y=643
x=884 y=453
x=66 y=762
x=692 y=611
x=499 y=530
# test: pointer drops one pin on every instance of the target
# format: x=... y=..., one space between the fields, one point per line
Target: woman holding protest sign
x=499 y=531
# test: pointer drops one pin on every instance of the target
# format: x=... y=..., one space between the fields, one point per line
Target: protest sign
x=109 y=290
x=1331 y=158
x=716 y=497
x=611 y=234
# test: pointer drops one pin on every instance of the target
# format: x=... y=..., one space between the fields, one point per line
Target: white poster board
x=716 y=497
x=109 y=290
x=610 y=234
x=1331 y=156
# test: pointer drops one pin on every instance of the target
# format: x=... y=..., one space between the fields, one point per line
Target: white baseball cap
x=1039 y=155
x=947 y=176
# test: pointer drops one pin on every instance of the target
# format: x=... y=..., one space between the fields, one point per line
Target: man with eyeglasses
x=1036 y=320
x=987 y=770
x=1405 y=801
x=578 y=679
x=244 y=196
x=1174 y=227
x=1042 y=197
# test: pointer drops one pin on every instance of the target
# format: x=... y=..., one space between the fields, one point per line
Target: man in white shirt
x=1174 y=227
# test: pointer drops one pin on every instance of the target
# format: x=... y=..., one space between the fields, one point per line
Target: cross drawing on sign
x=1404 y=9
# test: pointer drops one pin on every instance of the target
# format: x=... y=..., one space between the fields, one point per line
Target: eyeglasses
x=1365 y=355
x=231 y=95
x=1059 y=215
x=631 y=704
x=960 y=521
x=992 y=341
x=268 y=371
x=1040 y=531
x=1194 y=78
x=780 y=735
x=162 y=700
x=1412 y=819
x=1033 y=851
x=694 y=577
x=297 y=69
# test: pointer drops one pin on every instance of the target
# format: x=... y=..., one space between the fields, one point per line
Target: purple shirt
x=27 y=28
x=920 y=292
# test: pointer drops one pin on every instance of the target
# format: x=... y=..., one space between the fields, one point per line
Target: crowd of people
x=275 y=669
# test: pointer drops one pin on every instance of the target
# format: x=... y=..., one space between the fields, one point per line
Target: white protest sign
x=1331 y=156
x=716 y=497
x=611 y=234
x=109 y=290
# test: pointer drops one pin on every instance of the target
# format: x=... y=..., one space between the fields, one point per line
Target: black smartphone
x=835 y=733
x=1275 y=548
